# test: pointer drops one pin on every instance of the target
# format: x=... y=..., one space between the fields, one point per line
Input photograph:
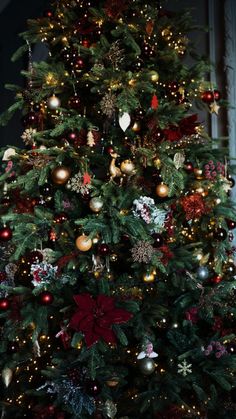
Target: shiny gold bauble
x=113 y=257
x=149 y=277
x=83 y=243
x=154 y=76
x=162 y=190
x=96 y=204
x=132 y=82
x=136 y=127
x=147 y=366
x=127 y=167
x=198 y=173
x=60 y=175
x=53 y=102
x=157 y=163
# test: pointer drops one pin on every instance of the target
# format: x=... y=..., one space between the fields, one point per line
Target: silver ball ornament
x=96 y=204
x=147 y=366
x=53 y=102
x=203 y=273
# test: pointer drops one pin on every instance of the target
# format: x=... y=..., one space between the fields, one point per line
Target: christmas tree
x=117 y=271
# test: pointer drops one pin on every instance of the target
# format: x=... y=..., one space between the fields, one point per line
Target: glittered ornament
x=127 y=167
x=103 y=249
x=203 y=273
x=4 y=304
x=92 y=387
x=53 y=102
x=83 y=243
x=45 y=298
x=5 y=234
x=96 y=204
x=162 y=190
x=220 y=234
x=146 y=366
x=60 y=175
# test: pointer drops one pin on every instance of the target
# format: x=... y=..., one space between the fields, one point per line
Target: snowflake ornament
x=142 y=252
x=80 y=183
x=28 y=136
x=184 y=368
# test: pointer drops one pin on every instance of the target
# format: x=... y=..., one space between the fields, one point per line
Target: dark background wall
x=13 y=20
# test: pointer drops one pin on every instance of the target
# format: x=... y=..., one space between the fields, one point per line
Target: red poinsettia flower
x=173 y=133
x=95 y=317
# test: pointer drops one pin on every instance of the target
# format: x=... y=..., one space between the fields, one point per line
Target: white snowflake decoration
x=145 y=208
x=184 y=368
x=28 y=136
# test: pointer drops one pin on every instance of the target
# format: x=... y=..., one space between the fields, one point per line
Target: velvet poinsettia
x=94 y=317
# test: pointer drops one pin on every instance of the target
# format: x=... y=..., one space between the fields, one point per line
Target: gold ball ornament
x=127 y=167
x=60 y=175
x=198 y=173
x=136 y=127
x=147 y=366
x=162 y=190
x=149 y=277
x=53 y=102
x=157 y=163
x=96 y=204
x=154 y=76
x=83 y=243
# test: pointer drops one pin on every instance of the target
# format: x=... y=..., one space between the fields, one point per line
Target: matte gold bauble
x=149 y=277
x=198 y=173
x=136 y=127
x=147 y=366
x=60 y=175
x=96 y=204
x=162 y=190
x=154 y=76
x=127 y=167
x=83 y=243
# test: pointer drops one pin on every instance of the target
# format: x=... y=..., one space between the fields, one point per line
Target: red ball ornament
x=79 y=63
x=4 y=304
x=208 y=96
x=5 y=234
x=74 y=102
x=34 y=257
x=3 y=276
x=72 y=136
x=158 y=240
x=60 y=218
x=217 y=95
x=48 y=13
x=216 y=279
x=86 y=43
x=188 y=167
x=103 y=249
x=109 y=149
x=31 y=119
x=93 y=388
x=231 y=224
x=45 y=298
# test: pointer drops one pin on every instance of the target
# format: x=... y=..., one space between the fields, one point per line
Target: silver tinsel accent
x=142 y=252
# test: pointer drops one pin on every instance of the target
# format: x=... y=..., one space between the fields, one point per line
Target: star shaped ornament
x=214 y=108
